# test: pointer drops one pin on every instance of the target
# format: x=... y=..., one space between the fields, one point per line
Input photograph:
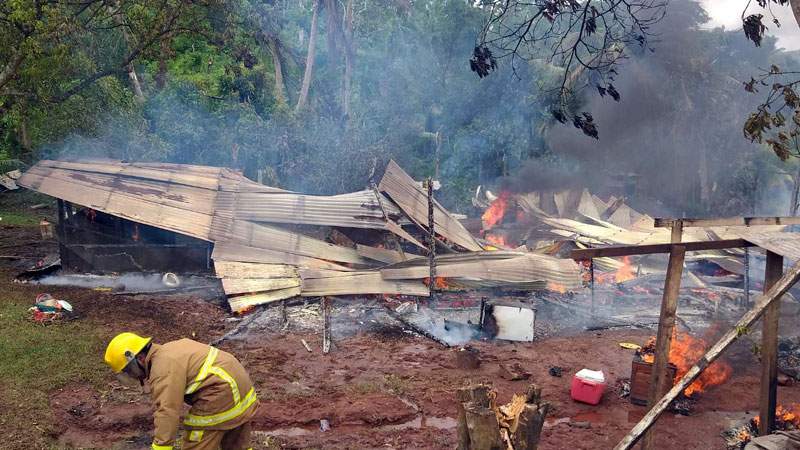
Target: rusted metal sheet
x=153 y=208
x=413 y=200
x=383 y=254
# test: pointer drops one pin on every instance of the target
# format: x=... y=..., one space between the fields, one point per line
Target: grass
x=44 y=358
x=14 y=208
x=35 y=360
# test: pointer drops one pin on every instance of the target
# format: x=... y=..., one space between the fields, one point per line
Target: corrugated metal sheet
x=411 y=198
x=355 y=210
x=784 y=244
x=508 y=267
x=179 y=208
x=319 y=283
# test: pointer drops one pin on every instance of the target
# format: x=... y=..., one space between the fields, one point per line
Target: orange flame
x=556 y=287
x=499 y=240
x=439 y=282
x=625 y=273
x=684 y=352
x=784 y=416
x=495 y=212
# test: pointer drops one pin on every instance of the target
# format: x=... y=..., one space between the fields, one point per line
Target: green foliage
x=410 y=80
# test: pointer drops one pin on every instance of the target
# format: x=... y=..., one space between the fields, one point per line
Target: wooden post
x=659 y=382
x=739 y=328
x=431 y=242
x=591 y=281
x=326 y=325
x=769 y=348
x=747 y=278
x=677 y=232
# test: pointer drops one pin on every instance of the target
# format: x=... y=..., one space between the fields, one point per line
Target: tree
x=586 y=41
x=312 y=42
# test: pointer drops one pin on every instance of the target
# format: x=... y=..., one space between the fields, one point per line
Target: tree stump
x=484 y=426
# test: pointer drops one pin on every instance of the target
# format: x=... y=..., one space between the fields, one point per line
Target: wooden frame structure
x=775 y=285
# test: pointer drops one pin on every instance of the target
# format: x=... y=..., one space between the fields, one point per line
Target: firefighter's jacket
x=213 y=382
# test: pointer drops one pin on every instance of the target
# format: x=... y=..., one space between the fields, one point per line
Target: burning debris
x=684 y=352
x=270 y=244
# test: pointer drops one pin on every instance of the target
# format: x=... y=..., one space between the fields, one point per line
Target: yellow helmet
x=122 y=349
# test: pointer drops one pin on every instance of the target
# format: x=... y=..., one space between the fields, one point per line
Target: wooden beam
x=769 y=349
x=677 y=232
x=741 y=327
x=726 y=222
x=626 y=250
x=659 y=381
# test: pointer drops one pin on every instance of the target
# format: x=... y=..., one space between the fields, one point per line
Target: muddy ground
x=385 y=389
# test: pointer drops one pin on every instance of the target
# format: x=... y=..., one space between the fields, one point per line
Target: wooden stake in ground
x=769 y=349
x=432 y=240
x=740 y=328
x=659 y=382
x=326 y=326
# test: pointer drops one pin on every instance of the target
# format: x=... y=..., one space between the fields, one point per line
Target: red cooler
x=588 y=386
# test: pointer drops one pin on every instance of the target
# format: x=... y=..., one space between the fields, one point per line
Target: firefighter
x=215 y=385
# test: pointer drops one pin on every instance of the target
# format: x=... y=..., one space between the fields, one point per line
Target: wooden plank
x=628 y=250
x=233 y=286
x=748 y=319
x=232 y=269
x=729 y=222
x=769 y=349
x=243 y=301
x=659 y=382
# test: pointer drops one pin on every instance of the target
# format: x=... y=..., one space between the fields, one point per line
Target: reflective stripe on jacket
x=212 y=381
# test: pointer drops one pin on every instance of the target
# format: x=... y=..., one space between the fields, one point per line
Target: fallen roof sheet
x=413 y=200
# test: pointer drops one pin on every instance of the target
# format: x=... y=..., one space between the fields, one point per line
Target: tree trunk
x=161 y=76
x=348 y=57
x=24 y=139
x=312 y=40
x=10 y=69
x=276 y=61
x=137 y=88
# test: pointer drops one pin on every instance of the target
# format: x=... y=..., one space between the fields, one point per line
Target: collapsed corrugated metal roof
x=259 y=252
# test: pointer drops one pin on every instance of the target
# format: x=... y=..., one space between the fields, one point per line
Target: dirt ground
x=377 y=390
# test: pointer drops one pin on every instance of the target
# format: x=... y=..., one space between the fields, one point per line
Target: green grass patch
x=37 y=357
x=15 y=208
x=18 y=219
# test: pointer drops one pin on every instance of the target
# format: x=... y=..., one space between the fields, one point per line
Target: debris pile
x=271 y=244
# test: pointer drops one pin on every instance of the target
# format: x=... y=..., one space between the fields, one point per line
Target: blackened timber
x=629 y=250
